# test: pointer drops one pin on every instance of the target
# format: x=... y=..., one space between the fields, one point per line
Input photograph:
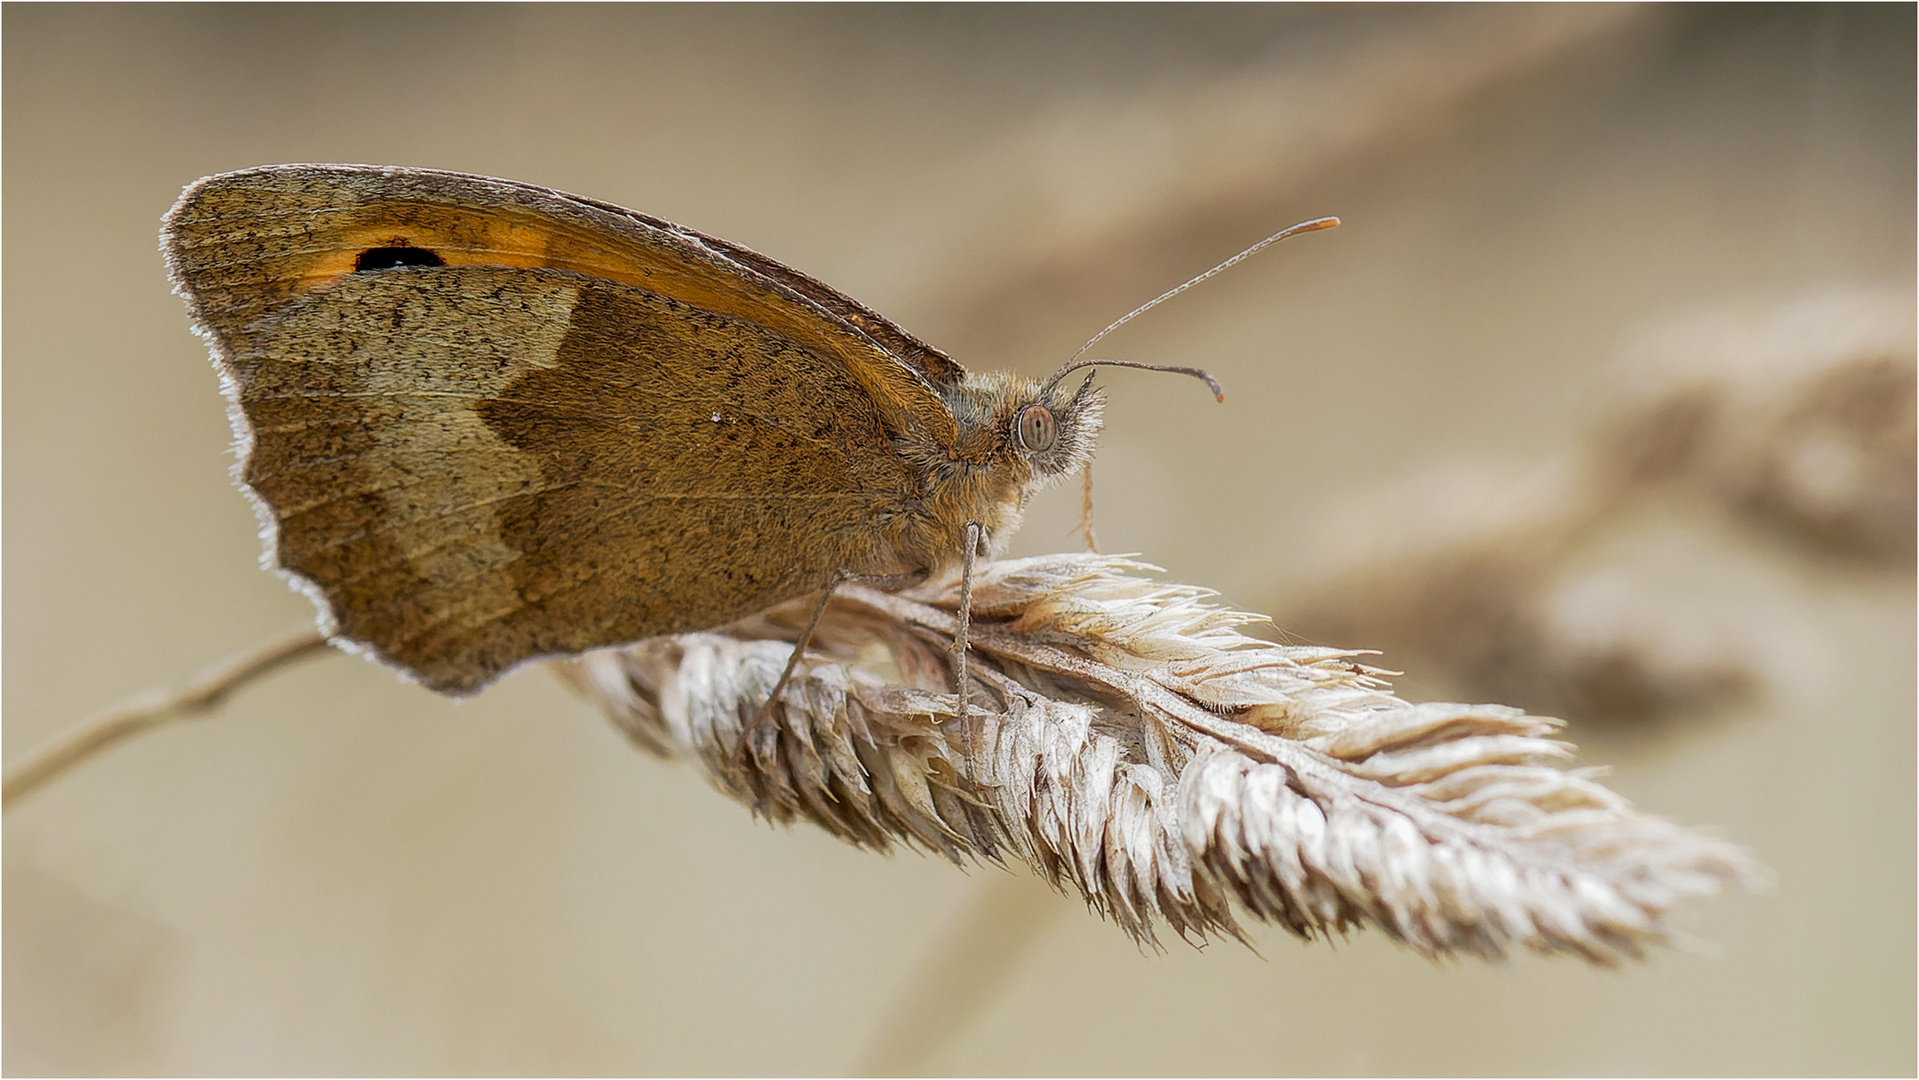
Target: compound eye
x=1037 y=428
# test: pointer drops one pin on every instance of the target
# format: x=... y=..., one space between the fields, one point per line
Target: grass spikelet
x=1132 y=746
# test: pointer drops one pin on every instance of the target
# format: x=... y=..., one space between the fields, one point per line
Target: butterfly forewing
x=479 y=462
x=242 y=245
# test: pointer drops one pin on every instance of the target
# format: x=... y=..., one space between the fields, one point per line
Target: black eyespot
x=380 y=258
x=1036 y=428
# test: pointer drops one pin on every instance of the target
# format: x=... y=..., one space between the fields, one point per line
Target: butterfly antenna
x=1074 y=361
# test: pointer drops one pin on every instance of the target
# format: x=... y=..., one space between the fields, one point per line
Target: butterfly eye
x=1037 y=429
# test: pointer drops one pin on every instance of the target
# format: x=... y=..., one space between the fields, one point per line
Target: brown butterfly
x=484 y=422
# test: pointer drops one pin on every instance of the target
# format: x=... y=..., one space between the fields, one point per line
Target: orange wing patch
x=244 y=245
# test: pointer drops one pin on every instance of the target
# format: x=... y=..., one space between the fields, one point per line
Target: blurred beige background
x=343 y=874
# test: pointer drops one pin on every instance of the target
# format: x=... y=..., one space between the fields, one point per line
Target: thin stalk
x=154 y=708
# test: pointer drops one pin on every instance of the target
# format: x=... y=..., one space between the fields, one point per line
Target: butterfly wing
x=537 y=428
x=240 y=245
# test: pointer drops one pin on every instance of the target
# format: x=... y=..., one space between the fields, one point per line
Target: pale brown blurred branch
x=1187 y=169
x=154 y=708
x=1794 y=423
x=968 y=964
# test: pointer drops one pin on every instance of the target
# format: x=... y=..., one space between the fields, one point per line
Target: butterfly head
x=1017 y=435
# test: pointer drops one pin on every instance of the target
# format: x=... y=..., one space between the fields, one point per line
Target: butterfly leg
x=975 y=537
x=763 y=718
x=765 y=713
x=1086 y=508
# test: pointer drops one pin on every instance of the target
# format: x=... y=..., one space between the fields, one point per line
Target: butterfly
x=484 y=422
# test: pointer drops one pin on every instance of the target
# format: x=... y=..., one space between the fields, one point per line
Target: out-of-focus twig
x=970 y=961
x=1802 y=422
x=1127 y=193
x=153 y=708
x=1796 y=424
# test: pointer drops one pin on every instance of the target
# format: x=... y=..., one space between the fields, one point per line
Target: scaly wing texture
x=242 y=245
x=471 y=466
x=1129 y=744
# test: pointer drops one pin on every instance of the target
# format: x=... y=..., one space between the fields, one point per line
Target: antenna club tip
x=1220 y=397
